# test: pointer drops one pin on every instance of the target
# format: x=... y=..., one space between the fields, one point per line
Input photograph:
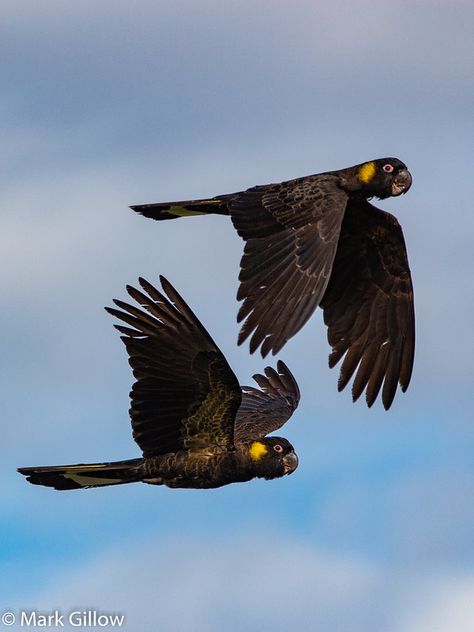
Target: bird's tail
x=187 y=208
x=86 y=475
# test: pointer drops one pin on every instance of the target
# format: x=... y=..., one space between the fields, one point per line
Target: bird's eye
x=388 y=168
x=278 y=448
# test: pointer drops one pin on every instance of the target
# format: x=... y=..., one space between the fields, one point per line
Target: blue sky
x=108 y=104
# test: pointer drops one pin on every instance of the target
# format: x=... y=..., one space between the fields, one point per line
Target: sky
x=109 y=104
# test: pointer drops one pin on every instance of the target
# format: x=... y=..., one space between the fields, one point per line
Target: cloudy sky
x=113 y=103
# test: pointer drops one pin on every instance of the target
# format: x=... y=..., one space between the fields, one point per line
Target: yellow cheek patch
x=181 y=211
x=367 y=172
x=257 y=450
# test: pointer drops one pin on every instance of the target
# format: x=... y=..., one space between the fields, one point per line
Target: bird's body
x=200 y=470
x=317 y=241
x=197 y=427
x=206 y=469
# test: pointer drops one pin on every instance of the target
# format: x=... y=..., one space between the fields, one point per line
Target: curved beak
x=401 y=182
x=290 y=462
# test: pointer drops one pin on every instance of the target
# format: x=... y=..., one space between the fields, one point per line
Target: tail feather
x=172 y=210
x=83 y=475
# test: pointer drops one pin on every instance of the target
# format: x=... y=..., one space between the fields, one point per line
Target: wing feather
x=291 y=232
x=368 y=305
x=185 y=395
x=264 y=411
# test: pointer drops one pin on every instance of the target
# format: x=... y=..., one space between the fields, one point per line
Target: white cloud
x=340 y=30
x=257 y=581
x=447 y=605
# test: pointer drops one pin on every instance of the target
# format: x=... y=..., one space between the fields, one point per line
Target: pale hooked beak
x=401 y=182
x=290 y=462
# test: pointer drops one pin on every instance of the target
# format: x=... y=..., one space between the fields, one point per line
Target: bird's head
x=382 y=178
x=272 y=457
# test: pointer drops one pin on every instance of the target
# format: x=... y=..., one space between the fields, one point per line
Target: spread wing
x=291 y=232
x=368 y=305
x=266 y=410
x=185 y=396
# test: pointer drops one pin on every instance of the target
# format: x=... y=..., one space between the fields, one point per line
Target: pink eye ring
x=278 y=448
x=388 y=168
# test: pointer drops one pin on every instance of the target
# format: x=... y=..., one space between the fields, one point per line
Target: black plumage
x=194 y=425
x=317 y=241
